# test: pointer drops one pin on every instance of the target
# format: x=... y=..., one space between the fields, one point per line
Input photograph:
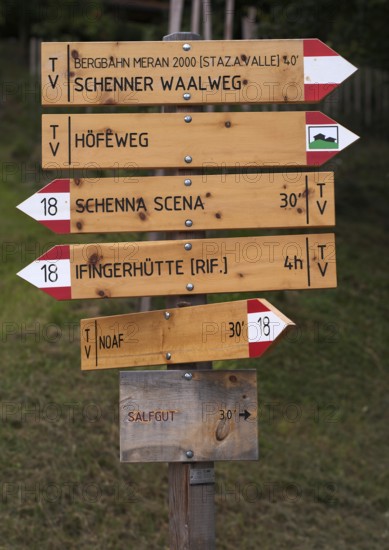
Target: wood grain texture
x=212 y=140
x=234 y=201
x=189 y=335
x=241 y=264
x=191 y=520
x=217 y=71
x=163 y=415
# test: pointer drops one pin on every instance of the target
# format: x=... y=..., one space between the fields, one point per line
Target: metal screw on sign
x=189 y=286
x=188 y=246
x=188 y=376
x=186 y=96
x=189 y=454
x=186 y=47
x=188 y=159
x=167 y=315
x=188 y=223
x=188 y=182
x=168 y=356
x=188 y=118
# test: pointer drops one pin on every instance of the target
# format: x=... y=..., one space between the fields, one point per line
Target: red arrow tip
x=258 y=348
x=316 y=117
x=256 y=306
x=59 y=252
x=57 y=226
x=56 y=186
x=316 y=92
x=313 y=47
x=59 y=292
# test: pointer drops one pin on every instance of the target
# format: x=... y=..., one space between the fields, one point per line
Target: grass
x=323 y=144
x=322 y=479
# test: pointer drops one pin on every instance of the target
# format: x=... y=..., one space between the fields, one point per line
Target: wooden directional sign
x=176 y=140
x=173 y=203
x=145 y=73
x=230 y=330
x=112 y=270
x=197 y=416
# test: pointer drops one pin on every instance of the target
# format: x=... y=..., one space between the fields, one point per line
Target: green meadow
x=322 y=478
x=323 y=144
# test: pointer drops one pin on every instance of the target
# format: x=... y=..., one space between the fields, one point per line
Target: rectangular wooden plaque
x=198 y=72
x=198 y=266
x=229 y=330
x=244 y=140
x=166 y=416
x=169 y=203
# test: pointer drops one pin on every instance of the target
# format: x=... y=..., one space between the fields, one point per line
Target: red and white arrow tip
x=324 y=69
x=265 y=325
x=50 y=206
x=51 y=273
x=325 y=138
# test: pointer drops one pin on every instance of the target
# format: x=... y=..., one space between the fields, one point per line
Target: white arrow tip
x=346 y=137
x=47 y=206
x=50 y=274
x=349 y=69
x=25 y=274
x=23 y=206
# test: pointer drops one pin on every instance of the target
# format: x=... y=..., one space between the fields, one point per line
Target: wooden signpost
x=230 y=330
x=172 y=203
x=192 y=416
x=199 y=140
x=187 y=416
x=195 y=72
x=242 y=264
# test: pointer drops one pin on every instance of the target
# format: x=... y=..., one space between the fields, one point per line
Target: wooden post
x=34 y=55
x=249 y=26
x=248 y=31
x=191 y=506
x=229 y=27
x=195 y=16
x=175 y=18
x=175 y=15
x=229 y=20
x=369 y=88
x=207 y=19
